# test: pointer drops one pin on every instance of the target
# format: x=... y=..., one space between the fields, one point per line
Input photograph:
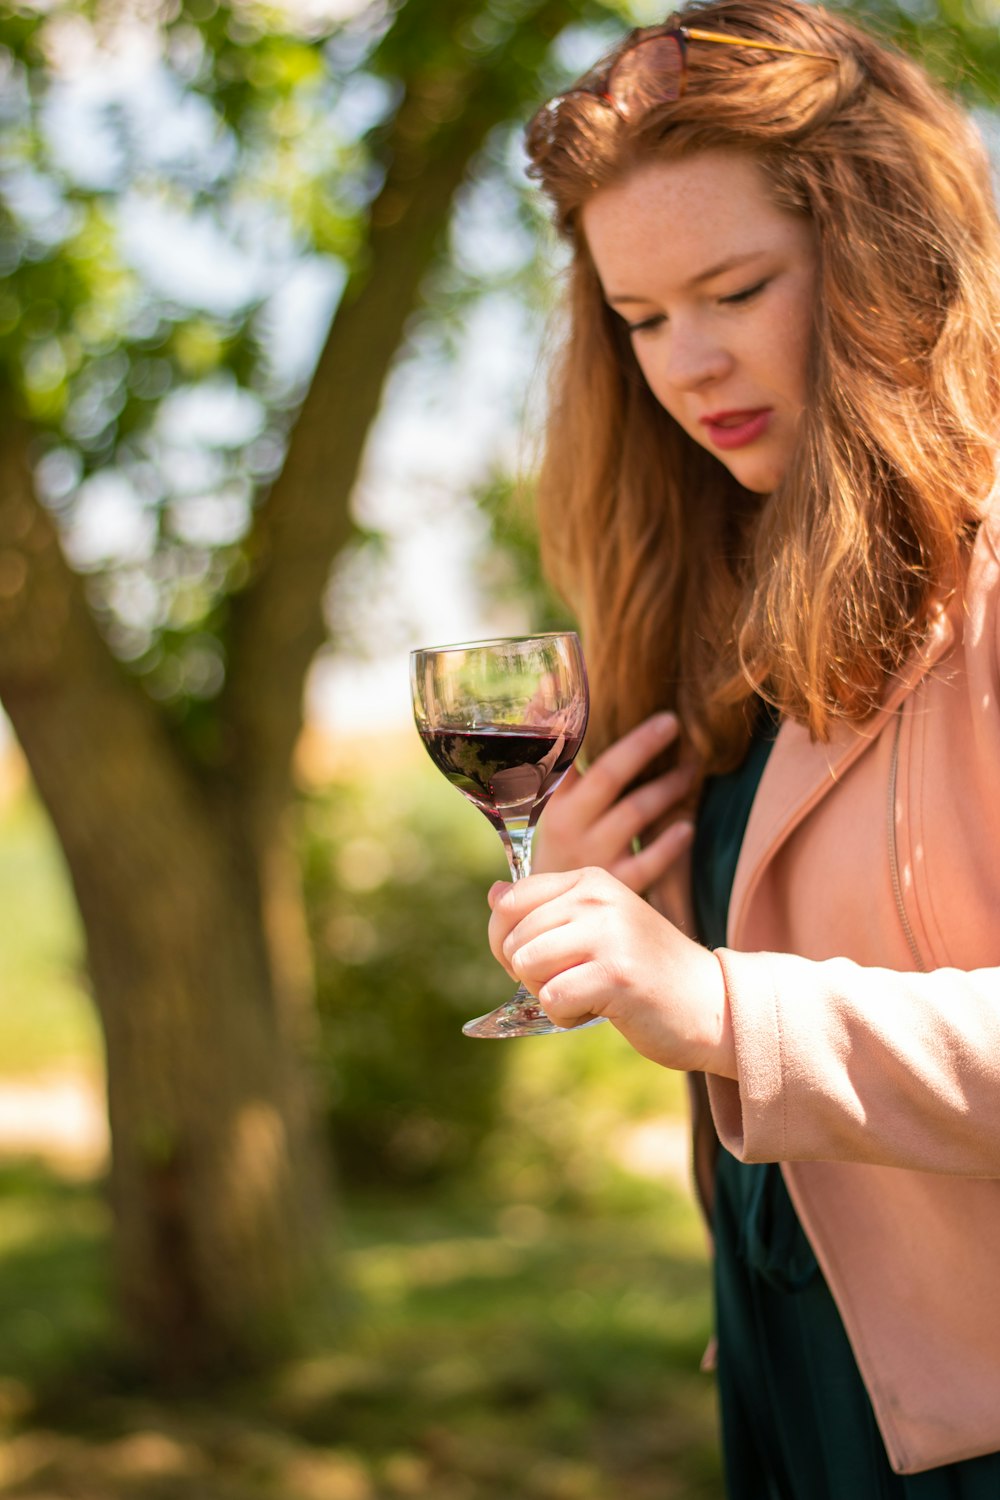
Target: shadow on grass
x=488 y=1352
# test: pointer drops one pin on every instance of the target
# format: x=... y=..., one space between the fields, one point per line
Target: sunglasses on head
x=652 y=70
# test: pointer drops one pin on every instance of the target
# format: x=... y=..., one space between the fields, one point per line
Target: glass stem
x=518 y=847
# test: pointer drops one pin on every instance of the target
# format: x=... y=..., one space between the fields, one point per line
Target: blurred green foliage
x=512 y=566
x=54 y=1284
x=958 y=40
x=140 y=282
x=396 y=887
x=145 y=327
x=47 y=1020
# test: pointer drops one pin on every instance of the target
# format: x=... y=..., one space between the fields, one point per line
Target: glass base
x=521 y=1016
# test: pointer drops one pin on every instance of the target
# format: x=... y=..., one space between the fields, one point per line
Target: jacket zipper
x=897 y=887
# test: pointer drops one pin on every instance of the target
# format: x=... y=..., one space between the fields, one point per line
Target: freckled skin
x=737 y=341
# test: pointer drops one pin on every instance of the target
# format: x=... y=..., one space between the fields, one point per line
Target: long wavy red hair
x=691 y=592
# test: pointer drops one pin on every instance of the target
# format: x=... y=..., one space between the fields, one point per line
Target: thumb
x=496 y=890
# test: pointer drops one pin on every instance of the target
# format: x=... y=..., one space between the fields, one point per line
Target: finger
x=567 y=782
x=510 y=903
x=617 y=767
x=576 y=994
x=641 y=871
x=536 y=960
x=640 y=809
x=551 y=917
x=570 y=931
x=570 y=1023
x=516 y=898
x=561 y=798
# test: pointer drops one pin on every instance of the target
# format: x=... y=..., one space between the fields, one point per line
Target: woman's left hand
x=586 y=946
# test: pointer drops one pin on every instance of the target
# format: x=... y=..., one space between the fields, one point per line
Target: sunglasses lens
x=648 y=74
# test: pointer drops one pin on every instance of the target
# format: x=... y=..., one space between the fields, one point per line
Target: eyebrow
x=731 y=263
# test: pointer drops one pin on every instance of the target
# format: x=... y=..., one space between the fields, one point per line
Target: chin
x=759 y=478
x=751 y=480
x=758 y=472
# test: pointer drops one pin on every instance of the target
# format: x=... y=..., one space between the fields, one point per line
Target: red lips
x=735 y=429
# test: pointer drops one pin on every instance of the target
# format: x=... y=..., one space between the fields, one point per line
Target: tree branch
x=446 y=114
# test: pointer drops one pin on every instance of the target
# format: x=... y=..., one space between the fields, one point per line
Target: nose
x=693 y=357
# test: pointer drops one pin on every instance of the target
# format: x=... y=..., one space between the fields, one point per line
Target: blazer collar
x=800 y=772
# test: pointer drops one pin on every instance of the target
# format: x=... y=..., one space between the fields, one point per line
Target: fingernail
x=665 y=723
x=495 y=891
x=684 y=830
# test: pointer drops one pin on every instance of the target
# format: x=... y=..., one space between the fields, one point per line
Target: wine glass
x=503 y=720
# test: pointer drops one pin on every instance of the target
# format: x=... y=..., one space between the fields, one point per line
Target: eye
x=646 y=325
x=746 y=295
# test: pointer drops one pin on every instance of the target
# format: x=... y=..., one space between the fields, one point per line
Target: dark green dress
x=797 y=1423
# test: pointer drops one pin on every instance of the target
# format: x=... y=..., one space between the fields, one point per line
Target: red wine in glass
x=507 y=773
x=503 y=721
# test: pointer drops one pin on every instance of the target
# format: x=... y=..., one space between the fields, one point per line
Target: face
x=716 y=285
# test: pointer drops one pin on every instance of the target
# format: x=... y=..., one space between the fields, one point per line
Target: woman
x=769 y=493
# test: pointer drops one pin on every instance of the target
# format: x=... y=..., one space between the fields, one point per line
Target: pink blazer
x=863 y=969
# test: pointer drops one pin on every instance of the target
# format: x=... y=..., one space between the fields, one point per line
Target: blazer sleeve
x=839 y=1062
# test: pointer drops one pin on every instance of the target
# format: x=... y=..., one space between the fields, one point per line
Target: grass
x=488 y=1351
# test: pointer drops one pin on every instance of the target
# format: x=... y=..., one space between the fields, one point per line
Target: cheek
x=793 y=348
x=659 y=386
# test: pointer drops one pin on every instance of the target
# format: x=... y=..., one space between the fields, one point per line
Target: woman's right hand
x=593 y=820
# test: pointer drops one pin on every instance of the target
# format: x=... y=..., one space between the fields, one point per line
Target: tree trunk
x=183 y=875
x=217 y=1192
